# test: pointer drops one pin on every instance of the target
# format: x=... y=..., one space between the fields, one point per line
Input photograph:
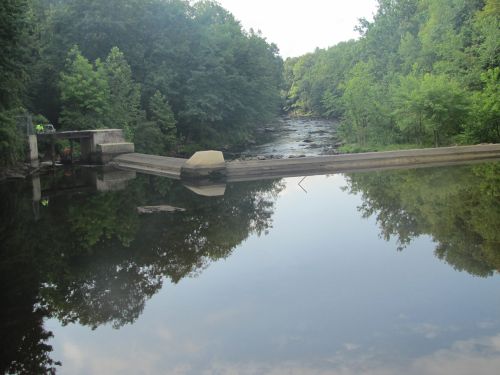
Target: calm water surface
x=370 y=273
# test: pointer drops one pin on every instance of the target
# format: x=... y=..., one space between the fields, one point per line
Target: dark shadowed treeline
x=424 y=72
x=167 y=72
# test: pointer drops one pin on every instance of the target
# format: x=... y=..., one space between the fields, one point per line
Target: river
x=295 y=137
x=383 y=272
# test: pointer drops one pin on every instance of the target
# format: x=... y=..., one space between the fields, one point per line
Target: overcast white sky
x=299 y=26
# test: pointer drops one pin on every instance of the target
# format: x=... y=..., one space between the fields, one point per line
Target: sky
x=297 y=26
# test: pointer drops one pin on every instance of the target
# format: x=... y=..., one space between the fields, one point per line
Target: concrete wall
x=101 y=136
x=91 y=150
x=33 y=150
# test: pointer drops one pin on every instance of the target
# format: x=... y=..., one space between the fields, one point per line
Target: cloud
x=171 y=355
x=465 y=357
x=431 y=331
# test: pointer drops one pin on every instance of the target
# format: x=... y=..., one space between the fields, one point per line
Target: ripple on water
x=297 y=136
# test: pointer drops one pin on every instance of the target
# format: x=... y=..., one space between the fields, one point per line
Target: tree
x=14 y=27
x=161 y=114
x=124 y=107
x=85 y=93
x=410 y=77
x=445 y=107
x=14 y=66
x=409 y=108
x=365 y=117
x=11 y=139
x=484 y=124
x=486 y=30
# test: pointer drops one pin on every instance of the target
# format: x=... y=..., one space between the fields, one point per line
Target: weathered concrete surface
x=107 y=151
x=261 y=169
x=277 y=168
x=208 y=190
x=91 y=142
x=150 y=164
x=204 y=164
x=116 y=148
x=92 y=148
x=33 y=151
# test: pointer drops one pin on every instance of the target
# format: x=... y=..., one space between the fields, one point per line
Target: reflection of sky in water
x=320 y=294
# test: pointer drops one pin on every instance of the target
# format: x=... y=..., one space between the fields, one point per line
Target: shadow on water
x=75 y=247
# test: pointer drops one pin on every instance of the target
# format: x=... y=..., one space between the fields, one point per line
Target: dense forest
x=423 y=73
x=174 y=76
x=178 y=76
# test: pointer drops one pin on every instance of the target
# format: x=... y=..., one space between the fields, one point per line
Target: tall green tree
x=486 y=35
x=157 y=135
x=162 y=116
x=125 y=95
x=14 y=61
x=485 y=116
x=430 y=109
x=14 y=67
x=85 y=93
x=366 y=118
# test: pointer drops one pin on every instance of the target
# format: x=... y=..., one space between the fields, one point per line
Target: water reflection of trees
x=24 y=349
x=93 y=259
x=458 y=206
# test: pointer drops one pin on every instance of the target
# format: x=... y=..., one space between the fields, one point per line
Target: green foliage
x=11 y=139
x=422 y=72
x=14 y=66
x=430 y=107
x=365 y=117
x=162 y=116
x=218 y=80
x=149 y=139
x=14 y=26
x=234 y=83
x=85 y=93
x=157 y=135
x=486 y=31
x=485 y=118
x=99 y=95
x=353 y=148
x=125 y=94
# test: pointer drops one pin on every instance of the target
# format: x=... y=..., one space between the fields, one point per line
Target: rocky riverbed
x=296 y=137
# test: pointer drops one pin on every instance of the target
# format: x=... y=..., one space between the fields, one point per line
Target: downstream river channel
x=385 y=272
x=295 y=137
